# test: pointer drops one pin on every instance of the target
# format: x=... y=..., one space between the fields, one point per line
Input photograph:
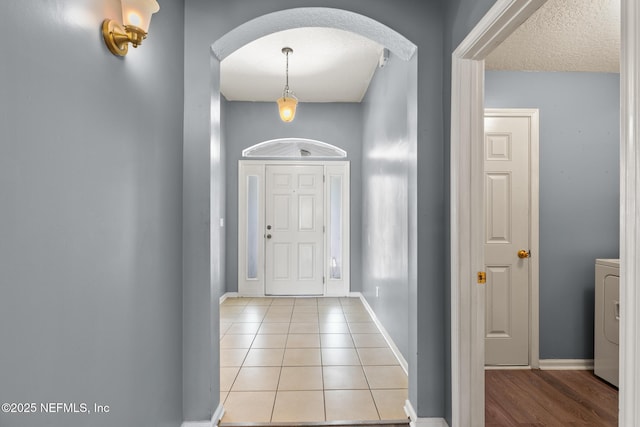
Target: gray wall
x=203 y=204
x=421 y=22
x=90 y=223
x=248 y=123
x=385 y=213
x=579 y=193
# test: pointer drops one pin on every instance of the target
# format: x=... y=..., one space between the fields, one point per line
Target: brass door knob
x=523 y=254
x=268 y=236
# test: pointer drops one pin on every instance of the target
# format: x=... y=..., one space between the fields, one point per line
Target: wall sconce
x=136 y=17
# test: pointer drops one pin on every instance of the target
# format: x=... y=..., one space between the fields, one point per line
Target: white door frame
x=534 y=225
x=467 y=258
x=256 y=286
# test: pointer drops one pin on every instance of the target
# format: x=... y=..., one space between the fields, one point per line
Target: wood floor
x=549 y=398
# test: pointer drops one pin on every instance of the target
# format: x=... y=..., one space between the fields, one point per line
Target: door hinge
x=324 y=230
x=324 y=178
x=482 y=277
x=323 y=280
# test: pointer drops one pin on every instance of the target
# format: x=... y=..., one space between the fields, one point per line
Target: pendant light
x=287 y=104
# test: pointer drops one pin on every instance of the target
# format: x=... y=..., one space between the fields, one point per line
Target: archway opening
x=387 y=156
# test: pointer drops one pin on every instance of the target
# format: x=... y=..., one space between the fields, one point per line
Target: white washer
x=607 y=319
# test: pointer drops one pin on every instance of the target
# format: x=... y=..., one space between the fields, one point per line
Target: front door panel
x=294 y=235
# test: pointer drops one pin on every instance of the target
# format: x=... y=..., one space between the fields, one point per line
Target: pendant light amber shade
x=287 y=108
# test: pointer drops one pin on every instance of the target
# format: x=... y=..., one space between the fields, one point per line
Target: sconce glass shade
x=287 y=108
x=137 y=13
x=136 y=17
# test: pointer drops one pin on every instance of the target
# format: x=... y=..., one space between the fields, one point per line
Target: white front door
x=294 y=230
x=507 y=231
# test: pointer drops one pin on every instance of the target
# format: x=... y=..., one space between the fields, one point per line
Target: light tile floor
x=306 y=360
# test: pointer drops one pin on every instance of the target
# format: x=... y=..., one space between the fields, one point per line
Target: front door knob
x=523 y=254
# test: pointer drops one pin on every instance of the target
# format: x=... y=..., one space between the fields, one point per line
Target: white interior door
x=294 y=230
x=507 y=239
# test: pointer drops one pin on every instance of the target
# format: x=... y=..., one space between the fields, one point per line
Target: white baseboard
x=422 y=422
x=238 y=295
x=217 y=416
x=507 y=368
x=383 y=331
x=228 y=295
x=566 y=364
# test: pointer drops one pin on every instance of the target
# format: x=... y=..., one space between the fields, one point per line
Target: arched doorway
x=278 y=21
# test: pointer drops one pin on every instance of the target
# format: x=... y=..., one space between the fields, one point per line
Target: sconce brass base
x=118 y=37
x=136 y=35
x=115 y=37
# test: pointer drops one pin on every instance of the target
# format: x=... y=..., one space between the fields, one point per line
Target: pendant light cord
x=286 y=51
x=286 y=85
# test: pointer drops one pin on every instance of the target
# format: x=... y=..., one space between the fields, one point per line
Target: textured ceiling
x=327 y=65
x=564 y=35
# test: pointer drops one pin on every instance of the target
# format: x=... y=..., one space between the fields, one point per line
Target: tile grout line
x=324 y=397
x=364 y=372
x=275 y=396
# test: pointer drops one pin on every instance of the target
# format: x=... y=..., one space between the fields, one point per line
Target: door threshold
x=377 y=423
x=293 y=296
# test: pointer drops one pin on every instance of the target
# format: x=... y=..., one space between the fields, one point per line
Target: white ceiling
x=564 y=35
x=327 y=65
